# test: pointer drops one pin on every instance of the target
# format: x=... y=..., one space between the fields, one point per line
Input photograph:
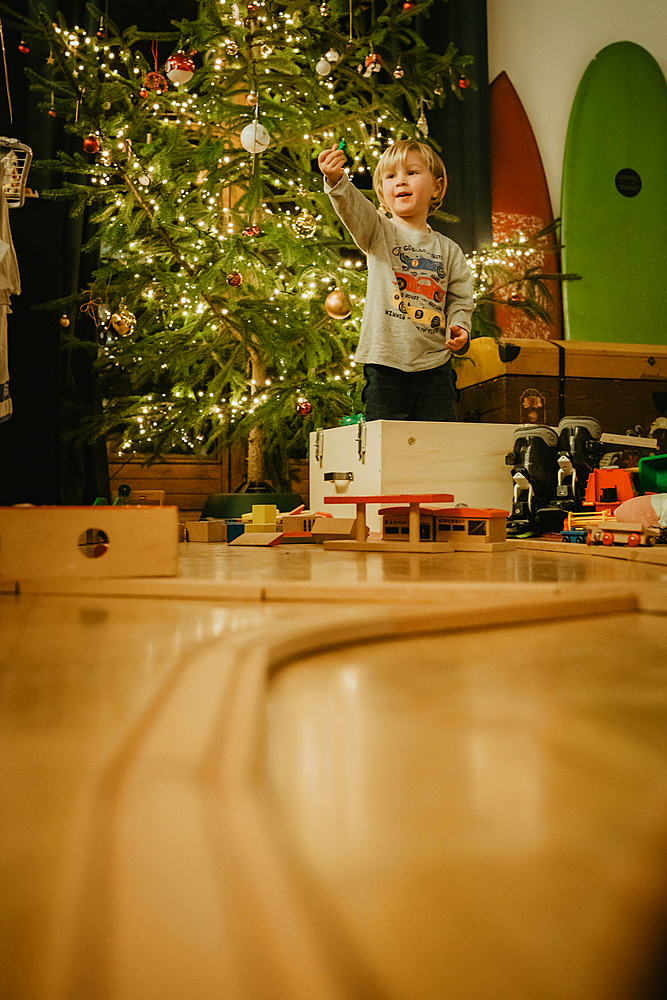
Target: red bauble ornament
x=464 y=82
x=407 y=5
x=143 y=92
x=251 y=231
x=252 y=9
x=155 y=81
x=91 y=144
x=234 y=279
x=179 y=67
x=304 y=408
x=23 y=48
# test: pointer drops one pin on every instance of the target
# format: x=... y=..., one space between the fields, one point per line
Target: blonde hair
x=397 y=154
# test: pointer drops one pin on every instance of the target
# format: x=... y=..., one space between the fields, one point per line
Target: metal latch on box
x=361 y=440
x=331 y=477
x=319 y=444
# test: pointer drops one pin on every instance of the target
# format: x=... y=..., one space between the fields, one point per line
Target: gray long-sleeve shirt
x=419 y=284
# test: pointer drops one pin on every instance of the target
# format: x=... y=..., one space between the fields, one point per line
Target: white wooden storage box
x=396 y=456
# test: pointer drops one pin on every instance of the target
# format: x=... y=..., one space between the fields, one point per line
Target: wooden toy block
x=260 y=527
x=333 y=528
x=296 y=522
x=206 y=531
x=258 y=538
x=264 y=513
x=296 y=538
x=88 y=542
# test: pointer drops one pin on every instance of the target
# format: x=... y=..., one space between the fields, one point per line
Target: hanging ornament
x=231 y=48
x=144 y=180
x=91 y=144
x=265 y=50
x=101 y=31
x=332 y=56
x=255 y=137
x=52 y=110
x=407 y=5
x=464 y=82
x=64 y=320
x=251 y=231
x=143 y=92
x=422 y=124
x=515 y=297
x=373 y=64
x=179 y=68
x=252 y=9
x=337 y=305
x=252 y=98
x=234 y=279
x=323 y=67
x=123 y=321
x=399 y=72
x=155 y=81
x=23 y=48
x=305 y=224
x=304 y=408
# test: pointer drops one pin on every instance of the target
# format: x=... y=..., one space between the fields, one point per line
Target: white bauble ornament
x=255 y=137
x=332 y=56
x=179 y=68
x=323 y=68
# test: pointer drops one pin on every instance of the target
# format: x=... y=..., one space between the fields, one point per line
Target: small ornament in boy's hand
x=234 y=279
x=337 y=305
x=342 y=145
x=304 y=408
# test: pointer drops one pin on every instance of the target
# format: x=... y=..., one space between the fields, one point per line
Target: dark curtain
x=50 y=389
x=461 y=128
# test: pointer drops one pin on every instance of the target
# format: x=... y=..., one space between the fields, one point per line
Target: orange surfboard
x=520 y=202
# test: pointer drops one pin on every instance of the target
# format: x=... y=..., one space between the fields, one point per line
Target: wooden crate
x=624 y=386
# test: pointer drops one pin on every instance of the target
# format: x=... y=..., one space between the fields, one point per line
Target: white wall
x=545 y=46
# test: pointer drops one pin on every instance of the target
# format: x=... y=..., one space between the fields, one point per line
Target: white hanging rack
x=15 y=160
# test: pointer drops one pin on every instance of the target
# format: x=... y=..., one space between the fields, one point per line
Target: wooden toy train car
x=614 y=532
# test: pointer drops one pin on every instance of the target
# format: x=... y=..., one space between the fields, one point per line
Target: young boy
x=419 y=294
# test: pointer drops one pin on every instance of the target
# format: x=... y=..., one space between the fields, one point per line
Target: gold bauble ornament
x=123 y=321
x=305 y=224
x=337 y=305
x=64 y=320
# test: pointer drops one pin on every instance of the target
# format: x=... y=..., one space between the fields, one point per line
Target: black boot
x=534 y=471
x=579 y=452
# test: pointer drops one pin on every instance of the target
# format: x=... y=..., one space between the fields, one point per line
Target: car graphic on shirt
x=425 y=317
x=421 y=263
x=422 y=286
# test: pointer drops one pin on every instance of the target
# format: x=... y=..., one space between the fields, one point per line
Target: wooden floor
x=297 y=774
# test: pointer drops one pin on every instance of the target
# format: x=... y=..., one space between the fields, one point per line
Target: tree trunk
x=255 y=456
x=256 y=437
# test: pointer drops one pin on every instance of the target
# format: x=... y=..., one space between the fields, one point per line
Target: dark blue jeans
x=391 y=394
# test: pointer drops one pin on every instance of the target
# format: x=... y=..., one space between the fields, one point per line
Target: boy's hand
x=330 y=162
x=457 y=339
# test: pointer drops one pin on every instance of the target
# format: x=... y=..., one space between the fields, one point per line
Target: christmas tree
x=228 y=297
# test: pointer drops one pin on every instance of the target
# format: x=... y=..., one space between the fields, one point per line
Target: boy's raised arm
x=331 y=162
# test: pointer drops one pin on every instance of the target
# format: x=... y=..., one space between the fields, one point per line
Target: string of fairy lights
x=209 y=228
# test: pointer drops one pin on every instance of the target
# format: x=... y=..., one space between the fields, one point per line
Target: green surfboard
x=614 y=201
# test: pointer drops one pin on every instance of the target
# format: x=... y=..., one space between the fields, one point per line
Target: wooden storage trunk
x=624 y=386
x=387 y=457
